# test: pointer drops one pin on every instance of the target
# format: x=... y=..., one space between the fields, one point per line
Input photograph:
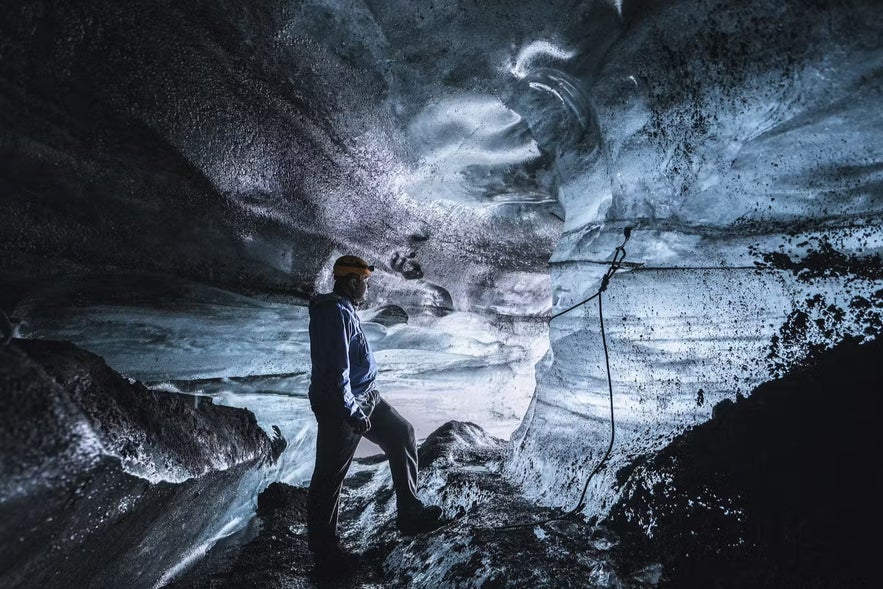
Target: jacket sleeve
x=335 y=348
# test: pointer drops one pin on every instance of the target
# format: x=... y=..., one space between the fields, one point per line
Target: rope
x=615 y=265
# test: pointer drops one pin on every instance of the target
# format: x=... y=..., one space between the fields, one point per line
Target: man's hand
x=360 y=424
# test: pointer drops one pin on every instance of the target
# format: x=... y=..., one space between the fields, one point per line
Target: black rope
x=603 y=461
x=615 y=265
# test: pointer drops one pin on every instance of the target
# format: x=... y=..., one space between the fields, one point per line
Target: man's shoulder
x=329 y=301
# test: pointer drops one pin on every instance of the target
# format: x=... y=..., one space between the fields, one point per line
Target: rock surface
x=780 y=489
x=105 y=480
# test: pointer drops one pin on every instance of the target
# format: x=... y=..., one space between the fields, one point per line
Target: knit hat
x=346 y=265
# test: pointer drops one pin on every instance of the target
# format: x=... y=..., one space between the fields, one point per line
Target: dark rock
x=720 y=409
x=455 y=440
x=105 y=483
x=390 y=315
x=283 y=499
x=443 y=303
x=166 y=435
x=406 y=265
x=277 y=556
x=278 y=443
x=780 y=489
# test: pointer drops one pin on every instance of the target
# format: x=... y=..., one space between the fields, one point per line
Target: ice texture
x=741 y=142
x=247 y=146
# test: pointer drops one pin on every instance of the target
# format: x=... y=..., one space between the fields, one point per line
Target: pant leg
x=335 y=447
x=395 y=435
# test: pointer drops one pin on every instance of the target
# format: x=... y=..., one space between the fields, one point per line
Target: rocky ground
x=779 y=489
x=460 y=466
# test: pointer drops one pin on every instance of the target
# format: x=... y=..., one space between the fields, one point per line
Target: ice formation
x=176 y=180
x=745 y=161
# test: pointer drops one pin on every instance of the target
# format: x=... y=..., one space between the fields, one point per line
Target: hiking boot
x=420 y=520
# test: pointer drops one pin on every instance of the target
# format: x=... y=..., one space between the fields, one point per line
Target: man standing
x=348 y=406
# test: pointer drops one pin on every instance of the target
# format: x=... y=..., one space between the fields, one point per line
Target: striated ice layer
x=154 y=327
x=679 y=341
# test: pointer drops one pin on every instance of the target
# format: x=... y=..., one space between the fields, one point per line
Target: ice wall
x=742 y=142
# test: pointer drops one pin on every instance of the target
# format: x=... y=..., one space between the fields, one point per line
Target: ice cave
x=628 y=288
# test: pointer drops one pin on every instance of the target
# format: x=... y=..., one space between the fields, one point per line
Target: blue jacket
x=342 y=380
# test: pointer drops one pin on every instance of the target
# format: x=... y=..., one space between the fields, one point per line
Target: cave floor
x=468 y=551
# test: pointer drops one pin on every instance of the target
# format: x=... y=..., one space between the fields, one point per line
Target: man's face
x=360 y=287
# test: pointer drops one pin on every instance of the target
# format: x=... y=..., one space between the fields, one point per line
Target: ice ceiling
x=464 y=145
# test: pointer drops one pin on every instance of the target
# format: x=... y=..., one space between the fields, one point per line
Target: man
x=348 y=406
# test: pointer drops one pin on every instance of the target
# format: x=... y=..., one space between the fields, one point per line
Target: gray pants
x=335 y=448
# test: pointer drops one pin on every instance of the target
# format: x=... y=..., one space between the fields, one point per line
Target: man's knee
x=403 y=434
x=400 y=429
x=397 y=435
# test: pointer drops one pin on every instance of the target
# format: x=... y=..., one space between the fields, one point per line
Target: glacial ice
x=487 y=157
x=751 y=184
